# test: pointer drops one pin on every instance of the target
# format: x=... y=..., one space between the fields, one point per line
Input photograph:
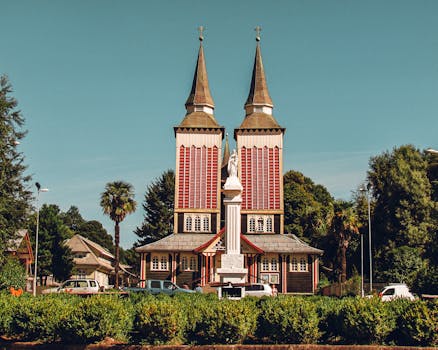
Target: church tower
x=260 y=148
x=198 y=159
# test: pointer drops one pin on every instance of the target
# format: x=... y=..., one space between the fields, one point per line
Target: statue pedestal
x=232 y=270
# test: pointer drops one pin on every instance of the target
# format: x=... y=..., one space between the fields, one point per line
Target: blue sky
x=102 y=83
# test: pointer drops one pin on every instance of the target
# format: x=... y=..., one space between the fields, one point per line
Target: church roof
x=258 y=92
x=259 y=104
x=199 y=120
x=200 y=93
x=272 y=243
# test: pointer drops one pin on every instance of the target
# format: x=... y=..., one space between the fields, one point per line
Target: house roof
x=272 y=243
x=20 y=244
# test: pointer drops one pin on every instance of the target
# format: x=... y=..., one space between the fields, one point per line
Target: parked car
x=394 y=291
x=159 y=286
x=76 y=286
x=258 y=290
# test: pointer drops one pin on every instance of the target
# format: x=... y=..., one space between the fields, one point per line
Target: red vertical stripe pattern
x=198 y=176
x=260 y=178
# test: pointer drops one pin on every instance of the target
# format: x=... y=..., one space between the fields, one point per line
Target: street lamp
x=363 y=189
x=39 y=189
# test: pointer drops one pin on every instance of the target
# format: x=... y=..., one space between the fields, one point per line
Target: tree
x=158 y=206
x=92 y=230
x=54 y=257
x=403 y=208
x=118 y=201
x=344 y=227
x=307 y=207
x=12 y=274
x=15 y=198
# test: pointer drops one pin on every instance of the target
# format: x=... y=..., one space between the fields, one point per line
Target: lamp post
x=366 y=190
x=39 y=189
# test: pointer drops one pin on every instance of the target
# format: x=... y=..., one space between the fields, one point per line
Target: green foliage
x=417 y=323
x=15 y=198
x=288 y=320
x=365 y=321
x=92 y=230
x=12 y=274
x=54 y=257
x=158 y=206
x=328 y=310
x=160 y=320
x=426 y=281
x=92 y=319
x=403 y=206
x=8 y=307
x=38 y=319
x=307 y=207
x=118 y=201
x=222 y=321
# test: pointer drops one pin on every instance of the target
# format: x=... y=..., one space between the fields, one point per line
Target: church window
x=274 y=264
x=188 y=223
x=155 y=263
x=193 y=263
x=252 y=225
x=163 y=263
x=294 y=264
x=197 y=224
x=269 y=225
x=206 y=223
x=184 y=263
x=159 y=263
x=260 y=224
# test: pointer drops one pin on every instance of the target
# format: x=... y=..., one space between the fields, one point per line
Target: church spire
x=258 y=99
x=226 y=155
x=200 y=98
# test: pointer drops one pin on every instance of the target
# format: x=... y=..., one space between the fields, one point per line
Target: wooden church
x=193 y=252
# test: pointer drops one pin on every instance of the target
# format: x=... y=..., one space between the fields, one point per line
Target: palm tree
x=345 y=224
x=118 y=201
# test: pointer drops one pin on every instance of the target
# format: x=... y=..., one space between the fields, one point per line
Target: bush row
x=204 y=319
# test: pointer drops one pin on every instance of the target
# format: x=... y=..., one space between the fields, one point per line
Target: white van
x=76 y=286
x=394 y=291
x=258 y=290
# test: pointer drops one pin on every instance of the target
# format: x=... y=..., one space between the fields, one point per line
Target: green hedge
x=204 y=319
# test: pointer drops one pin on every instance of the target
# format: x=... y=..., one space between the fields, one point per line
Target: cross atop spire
x=201 y=32
x=258 y=29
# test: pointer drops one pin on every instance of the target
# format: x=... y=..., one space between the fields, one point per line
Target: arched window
x=188 y=223
x=294 y=264
x=197 y=223
x=252 y=225
x=303 y=264
x=163 y=263
x=274 y=264
x=269 y=225
x=265 y=264
x=184 y=263
x=155 y=263
x=193 y=263
x=206 y=223
x=260 y=224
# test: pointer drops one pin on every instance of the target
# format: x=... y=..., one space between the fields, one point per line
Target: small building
x=91 y=260
x=193 y=252
x=21 y=248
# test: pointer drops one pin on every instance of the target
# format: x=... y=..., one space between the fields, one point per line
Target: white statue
x=232 y=164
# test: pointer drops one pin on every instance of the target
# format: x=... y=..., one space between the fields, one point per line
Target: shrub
x=224 y=321
x=7 y=310
x=12 y=274
x=160 y=320
x=288 y=320
x=417 y=324
x=365 y=321
x=97 y=317
x=328 y=310
x=37 y=319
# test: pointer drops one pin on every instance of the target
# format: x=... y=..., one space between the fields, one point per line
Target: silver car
x=76 y=286
x=258 y=290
